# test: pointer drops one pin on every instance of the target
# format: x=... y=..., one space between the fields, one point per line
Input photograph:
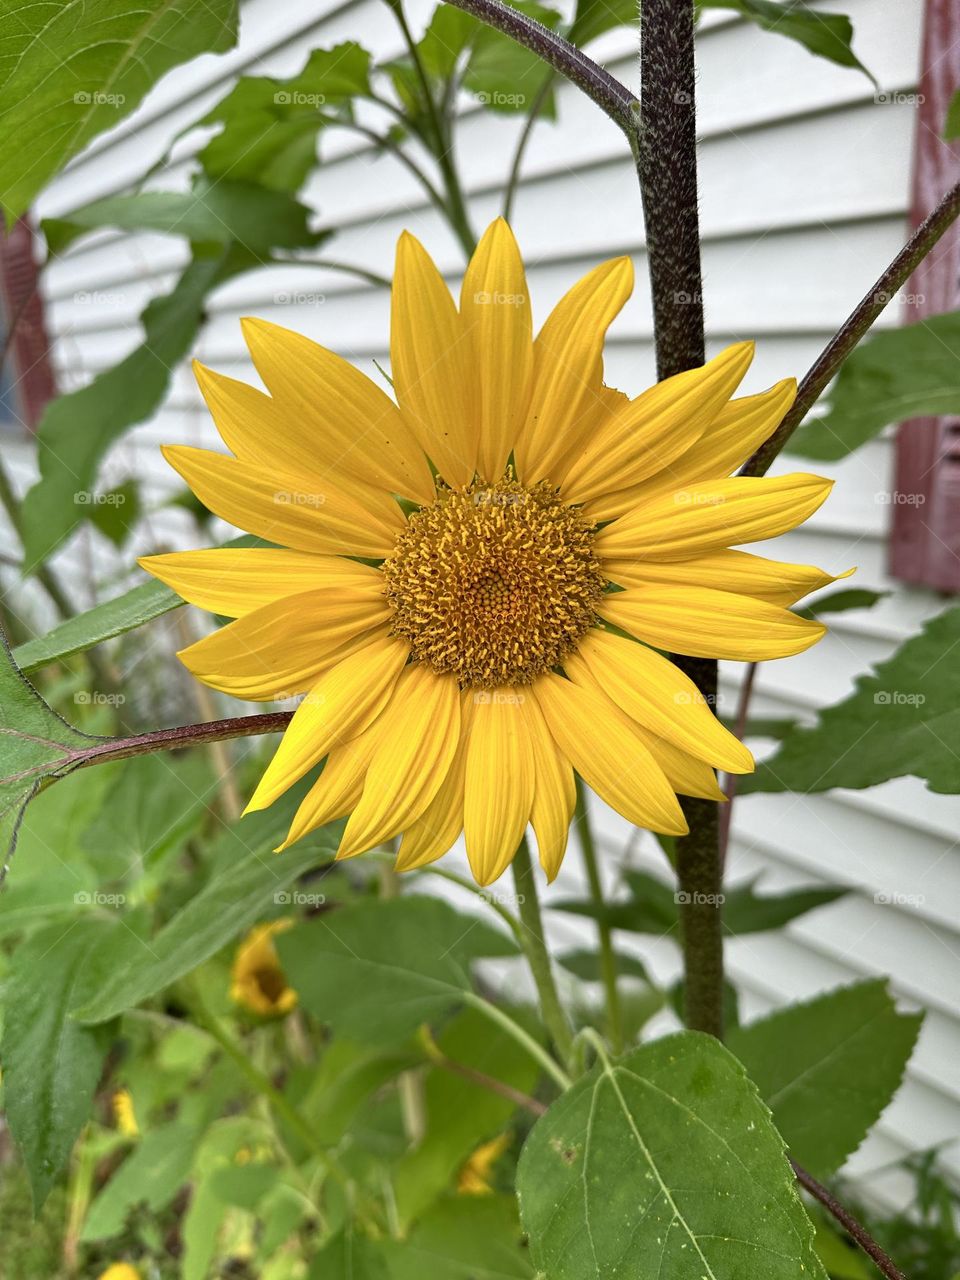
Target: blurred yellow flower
x=120 y=1271
x=474 y=1178
x=465 y=651
x=124 y=1114
x=258 y=982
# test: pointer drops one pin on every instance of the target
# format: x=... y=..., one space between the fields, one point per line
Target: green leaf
x=586 y=965
x=243 y=892
x=828 y=1069
x=828 y=35
x=376 y=970
x=665 y=1161
x=467 y=1238
x=70 y=71
x=133 y=609
x=270 y=127
x=594 y=17
x=903 y=717
x=448 y=34
x=77 y=428
x=652 y=909
x=841 y=601
x=951 y=126
x=352 y=1256
x=894 y=375
x=506 y=76
x=116 y=512
x=842 y=1261
x=460 y=1115
x=745 y=911
x=35 y=745
x=51 y=1064
x=216 y=213
x=151 y=1175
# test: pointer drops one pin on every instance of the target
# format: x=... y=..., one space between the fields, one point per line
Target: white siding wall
x=805 y=181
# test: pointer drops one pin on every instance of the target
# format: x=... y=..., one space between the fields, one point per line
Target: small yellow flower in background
x=474 y=1178
x=258 y=981
x=465 y=652
x=120 y=1271
x=124 y=1114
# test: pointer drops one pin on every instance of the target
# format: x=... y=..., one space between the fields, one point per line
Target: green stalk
x=608 y=960
x=538 y=957
x=522 y=1037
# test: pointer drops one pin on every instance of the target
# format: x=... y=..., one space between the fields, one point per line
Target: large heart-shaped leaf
x=663 y=1163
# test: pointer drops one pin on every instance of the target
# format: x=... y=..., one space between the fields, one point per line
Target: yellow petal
x=709 y=515
x=499 y=782
x=438 y=828
x=568 y=371
x=330 y=418
x=555 y=792
x=738 y=571
x=687 y=775
x=338 y=788
x=345 y=701
x=703 y=623
x=654 y=691
x=342 y=520
x=279 y=650
x=738 y=429
x=653 y=430
x=496 y=317
x=429 y=363
x=415 y=746
x=235 y=581
x=611 y=758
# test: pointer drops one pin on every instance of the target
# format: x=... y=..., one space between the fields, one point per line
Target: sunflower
x=257 y=978
x=475 y=580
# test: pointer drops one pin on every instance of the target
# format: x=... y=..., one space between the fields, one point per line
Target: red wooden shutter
x=925 y=536
x=22 y=310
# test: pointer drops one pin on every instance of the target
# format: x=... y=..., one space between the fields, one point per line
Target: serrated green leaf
x=828 y=1068
x=895 y=374
x=828 y=35
x=270 y=126
x=377 y=970
x=70 y=71
x=666 y=1160
x=221 y=212
x=242 y=892
x=35 y=745
x=51 y=1064
x=151 y=1175
x=902 y=718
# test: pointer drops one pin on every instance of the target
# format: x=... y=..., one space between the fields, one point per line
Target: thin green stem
x=608 y=960
x=455 y=207
x=381 y=140
x=534 y=945
x=513 y=181
x=520 y=1035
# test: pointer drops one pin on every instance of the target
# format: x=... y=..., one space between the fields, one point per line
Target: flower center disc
x=494 y=583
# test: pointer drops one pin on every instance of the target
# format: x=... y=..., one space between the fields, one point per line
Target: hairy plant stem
x=667 y=169
x=538 y=957
x=849 y=1223
x=855 y=327
x=608 y=960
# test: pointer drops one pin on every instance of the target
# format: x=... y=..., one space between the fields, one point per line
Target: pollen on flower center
x=494 y=583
